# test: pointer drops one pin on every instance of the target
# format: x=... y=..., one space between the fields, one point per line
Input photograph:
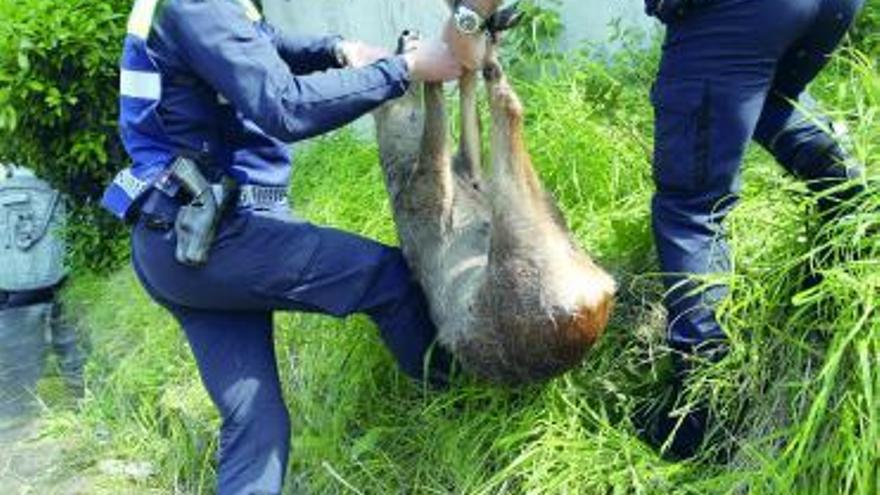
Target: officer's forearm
x=306 y=54
x=315 y=104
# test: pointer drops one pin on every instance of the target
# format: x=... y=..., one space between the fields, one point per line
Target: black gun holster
x=196 y=222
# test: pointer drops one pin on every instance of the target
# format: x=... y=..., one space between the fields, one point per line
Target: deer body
x=512 y=295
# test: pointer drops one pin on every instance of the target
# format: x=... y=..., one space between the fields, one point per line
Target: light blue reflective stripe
x=140 y=84
x=250 y=10
x=250 y=195
x=130 y=184
x=141 y=18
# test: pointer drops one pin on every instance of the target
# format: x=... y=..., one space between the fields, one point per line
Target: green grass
x=803 y=372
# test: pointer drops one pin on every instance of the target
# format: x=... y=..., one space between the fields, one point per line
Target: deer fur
x=512 y=295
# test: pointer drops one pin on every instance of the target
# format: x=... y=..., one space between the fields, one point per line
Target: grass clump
x=802 y=380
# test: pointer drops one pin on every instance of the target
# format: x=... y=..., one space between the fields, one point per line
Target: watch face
x=467 y=20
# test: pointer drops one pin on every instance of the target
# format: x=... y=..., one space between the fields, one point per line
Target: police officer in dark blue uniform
x=732 y=71
x=209 y=95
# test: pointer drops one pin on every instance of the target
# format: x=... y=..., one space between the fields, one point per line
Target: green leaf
x=23 y=62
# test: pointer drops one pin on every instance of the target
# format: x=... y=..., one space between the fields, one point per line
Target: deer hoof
x=506 y=100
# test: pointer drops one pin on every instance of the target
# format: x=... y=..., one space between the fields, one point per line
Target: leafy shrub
x=533 y=45
x=58 y=79
x=866 y=33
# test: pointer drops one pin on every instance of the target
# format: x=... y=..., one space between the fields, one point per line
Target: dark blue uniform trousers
x=732 y=71
x=261 y=263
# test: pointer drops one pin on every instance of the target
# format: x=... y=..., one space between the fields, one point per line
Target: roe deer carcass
x=512 y=295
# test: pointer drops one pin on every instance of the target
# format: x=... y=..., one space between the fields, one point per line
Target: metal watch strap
x=484 y=17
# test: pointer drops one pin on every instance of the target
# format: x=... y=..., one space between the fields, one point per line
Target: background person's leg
x=67 y=348
x=791 y=126
x=236 y=359
x=22 y=358
x=698 y=153
x=702 y=130
x=717 y=67
x=718 y=64
x=24 y=317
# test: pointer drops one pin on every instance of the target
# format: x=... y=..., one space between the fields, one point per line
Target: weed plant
x=798 y=397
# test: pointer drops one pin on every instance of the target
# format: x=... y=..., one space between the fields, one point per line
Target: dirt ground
x=31 y=463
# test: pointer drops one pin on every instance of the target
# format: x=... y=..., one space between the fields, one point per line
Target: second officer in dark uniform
x=732 y=71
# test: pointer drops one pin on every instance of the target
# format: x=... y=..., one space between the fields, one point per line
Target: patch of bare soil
x=33 y=464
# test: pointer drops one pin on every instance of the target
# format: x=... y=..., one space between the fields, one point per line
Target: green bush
x=58 y=79
x=866 y=34
x=532 y=45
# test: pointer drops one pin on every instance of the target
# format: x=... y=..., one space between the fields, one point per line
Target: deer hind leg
x=524 y=214
x=468 y=161
x=552 y=300
x=519 y=202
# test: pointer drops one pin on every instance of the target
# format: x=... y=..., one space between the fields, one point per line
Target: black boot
x=838 y=179
x=676 y=428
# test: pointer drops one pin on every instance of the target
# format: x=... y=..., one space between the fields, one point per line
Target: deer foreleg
x=428 y=190
x=468 y=162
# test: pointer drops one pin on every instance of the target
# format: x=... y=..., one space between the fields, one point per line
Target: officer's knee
x=393 y=276
x=682 y=133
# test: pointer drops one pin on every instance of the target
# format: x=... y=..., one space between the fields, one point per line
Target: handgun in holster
x=196 y=222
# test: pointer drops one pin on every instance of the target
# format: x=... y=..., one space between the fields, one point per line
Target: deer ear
x=506 y=18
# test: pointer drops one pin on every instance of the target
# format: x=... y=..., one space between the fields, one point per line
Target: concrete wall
x=381 y=21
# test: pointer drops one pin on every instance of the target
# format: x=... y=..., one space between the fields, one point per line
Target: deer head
x=473 y=50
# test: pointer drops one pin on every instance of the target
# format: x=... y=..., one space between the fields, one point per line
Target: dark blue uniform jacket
x=233 y=90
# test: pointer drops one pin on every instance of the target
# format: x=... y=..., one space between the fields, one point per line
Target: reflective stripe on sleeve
x=132 y=186
x=251 y=10
x=140 y=84
x=141 y=18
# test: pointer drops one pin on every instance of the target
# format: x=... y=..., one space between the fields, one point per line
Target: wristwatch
x=467 y=20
